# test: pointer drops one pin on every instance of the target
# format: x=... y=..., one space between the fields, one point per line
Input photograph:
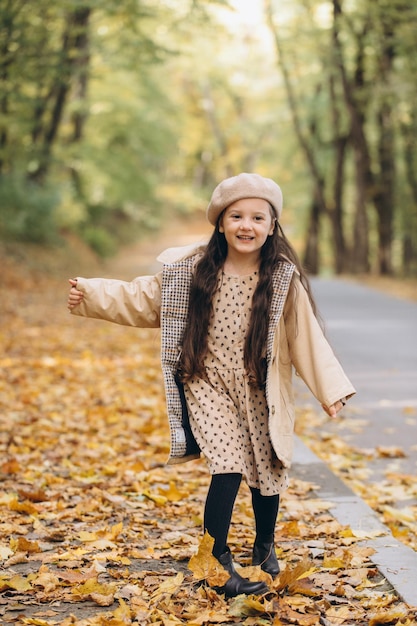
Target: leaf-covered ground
x=393 y=497
x=96 y=530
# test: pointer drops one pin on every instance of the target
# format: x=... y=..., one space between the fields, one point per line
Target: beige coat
x=298 y=343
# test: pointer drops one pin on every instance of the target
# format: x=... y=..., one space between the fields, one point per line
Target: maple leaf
x=205 y=566
x=332 y=562
x=19 y=583
x=102 y=599
x=71 y=576
x=93 y=587
x=358 y=576
x=254 y=573
x=291 y=529
x=24 y=545
x=360 y=554
x=244 y=606
x=10 y=467
x=172 y=493
x=140 y=608
x=38 y=495
x=169 y=587
x=22 y=507
x=158 y=499
x=123 y=612
x=286 y=614
x=290 y=576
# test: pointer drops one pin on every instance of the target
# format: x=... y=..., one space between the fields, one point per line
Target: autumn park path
x=376 y=337
x=373 y=445
x=95 y=530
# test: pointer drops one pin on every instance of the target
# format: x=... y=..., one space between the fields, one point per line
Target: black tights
x=219 y=507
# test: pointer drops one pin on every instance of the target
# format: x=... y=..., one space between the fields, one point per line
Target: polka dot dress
x=229 y=419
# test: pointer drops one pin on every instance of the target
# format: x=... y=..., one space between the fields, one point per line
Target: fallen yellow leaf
x=19 y=583
x=205 y=566
x=169 y=587
x=245 y=606
x=46 y=579
x=159 y=500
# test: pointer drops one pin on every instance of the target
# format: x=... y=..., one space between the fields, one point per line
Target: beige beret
x=243 y=186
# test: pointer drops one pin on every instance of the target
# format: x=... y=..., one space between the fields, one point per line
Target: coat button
x=273 y=409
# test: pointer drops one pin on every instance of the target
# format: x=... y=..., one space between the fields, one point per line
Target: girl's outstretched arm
x=135 y=303
x=74 y=296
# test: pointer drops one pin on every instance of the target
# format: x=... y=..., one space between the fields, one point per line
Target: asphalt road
x=375 y=337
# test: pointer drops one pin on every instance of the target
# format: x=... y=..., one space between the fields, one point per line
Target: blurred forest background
x=115 y=116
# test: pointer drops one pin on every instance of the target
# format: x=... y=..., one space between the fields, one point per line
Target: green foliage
x=114 y=114
x=27 y=211
x=100 y=240
x=80 y=103
x=350 y=80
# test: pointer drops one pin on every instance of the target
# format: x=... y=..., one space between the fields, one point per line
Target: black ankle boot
x=265 y=556
x=236 y=583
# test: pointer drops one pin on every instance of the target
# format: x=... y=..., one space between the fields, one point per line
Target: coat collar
x=172 y=255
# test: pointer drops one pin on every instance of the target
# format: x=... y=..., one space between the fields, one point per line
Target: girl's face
x=246 y=225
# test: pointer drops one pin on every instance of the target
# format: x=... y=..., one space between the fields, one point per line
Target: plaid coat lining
x=176 y=281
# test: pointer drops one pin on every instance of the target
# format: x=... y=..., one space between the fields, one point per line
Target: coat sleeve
x=136 y=303
x=310 y=352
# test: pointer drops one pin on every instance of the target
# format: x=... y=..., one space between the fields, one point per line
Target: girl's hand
x=75 y=296
x=334 y=409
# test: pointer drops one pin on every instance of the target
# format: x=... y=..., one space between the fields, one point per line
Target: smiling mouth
x=245 y=237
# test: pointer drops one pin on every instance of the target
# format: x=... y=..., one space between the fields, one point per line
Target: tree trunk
x=409 y=243
x=81 y=71
x=79 y=97
x=73 y=52
x=384 y=195
x=363 y=173
x=311 y=257
x=385 y=181
x=6 y=59
x=340 y=143
x=318 y=206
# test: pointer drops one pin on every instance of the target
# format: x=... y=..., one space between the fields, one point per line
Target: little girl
x=236 y=317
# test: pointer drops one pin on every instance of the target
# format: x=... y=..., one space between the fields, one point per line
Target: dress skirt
x=228 y=417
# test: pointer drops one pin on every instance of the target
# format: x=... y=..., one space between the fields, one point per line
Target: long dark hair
x=204 y=284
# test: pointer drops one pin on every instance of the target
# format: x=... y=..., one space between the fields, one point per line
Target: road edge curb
x=395 y=561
